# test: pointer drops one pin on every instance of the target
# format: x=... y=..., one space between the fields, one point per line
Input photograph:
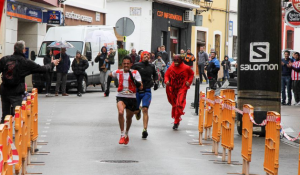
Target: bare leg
x=129 y=115
x=121 y=107
x=145 y=117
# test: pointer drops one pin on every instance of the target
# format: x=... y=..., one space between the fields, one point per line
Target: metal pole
x=259 y=57
x=196 y=104
x=124 y=31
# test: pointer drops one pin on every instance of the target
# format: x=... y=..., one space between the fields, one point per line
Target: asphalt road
x=82 y=132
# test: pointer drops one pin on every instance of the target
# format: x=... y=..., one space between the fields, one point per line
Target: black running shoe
x=175 y=127
x=79 y=95
x=283 y=103
x=144 y=134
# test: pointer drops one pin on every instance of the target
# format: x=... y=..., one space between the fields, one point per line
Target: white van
x=75 y=35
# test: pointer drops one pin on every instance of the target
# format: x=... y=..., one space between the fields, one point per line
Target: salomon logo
x=259 y=52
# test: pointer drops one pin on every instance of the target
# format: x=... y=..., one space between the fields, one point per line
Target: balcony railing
x=183 y=3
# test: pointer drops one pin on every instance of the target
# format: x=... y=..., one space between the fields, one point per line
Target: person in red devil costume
x=178 y=79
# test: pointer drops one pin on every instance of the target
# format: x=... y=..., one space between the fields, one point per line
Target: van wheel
x=84 y=85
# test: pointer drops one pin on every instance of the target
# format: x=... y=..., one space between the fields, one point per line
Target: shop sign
x=296 y=5
x=175 y=41
x=169 y=15
x=23 y=11
x=292 y=18
x=98 y=16
x=135 y=11
x=72 y=15
x=53 y=17
x=230 y=28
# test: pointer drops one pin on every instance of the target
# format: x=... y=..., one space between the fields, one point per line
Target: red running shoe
x=126 y=140
x=122 y=140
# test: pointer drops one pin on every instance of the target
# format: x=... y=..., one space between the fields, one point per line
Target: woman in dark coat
x=48 y=75
x=79 y=65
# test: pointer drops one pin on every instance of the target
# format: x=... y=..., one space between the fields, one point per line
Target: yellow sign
x=124 y=39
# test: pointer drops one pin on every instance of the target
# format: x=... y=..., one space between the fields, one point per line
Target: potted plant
x=121 y=54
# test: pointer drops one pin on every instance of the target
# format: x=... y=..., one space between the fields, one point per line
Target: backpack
x=10 y=74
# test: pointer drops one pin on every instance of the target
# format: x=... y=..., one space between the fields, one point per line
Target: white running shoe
x=298 y=104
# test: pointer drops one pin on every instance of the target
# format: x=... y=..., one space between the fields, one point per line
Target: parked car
x=233 y=70
x=75 y=35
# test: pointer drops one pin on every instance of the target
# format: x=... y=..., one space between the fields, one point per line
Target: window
x=234 y=47
x=87 y=48
x=290 y=39
x=78 y=46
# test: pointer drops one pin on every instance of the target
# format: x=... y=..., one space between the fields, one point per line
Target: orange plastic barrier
x=273 y=127
x=217 y=119
x=18 y=137
x=8 y=121
x=228 y=128
x=201 y=116
x=4 y=145
x=25 y=134
x=247 y=137
x=34 y=133
x=228 y=94
x=209 y=112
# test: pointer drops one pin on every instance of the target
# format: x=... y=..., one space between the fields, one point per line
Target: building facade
x=211 y=30
x=232 y=30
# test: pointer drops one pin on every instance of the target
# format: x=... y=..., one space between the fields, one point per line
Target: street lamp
x=207 y=6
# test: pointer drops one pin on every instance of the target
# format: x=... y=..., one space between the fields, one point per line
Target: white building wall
x=233 y=17
x=11 y=35
x=141 y=37
x=296 y=39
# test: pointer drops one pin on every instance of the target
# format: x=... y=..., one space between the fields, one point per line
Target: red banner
x=2 y=2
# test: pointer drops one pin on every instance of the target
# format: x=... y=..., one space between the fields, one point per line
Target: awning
x=180 y=3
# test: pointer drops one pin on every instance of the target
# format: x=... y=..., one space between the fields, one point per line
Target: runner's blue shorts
x=144 y=97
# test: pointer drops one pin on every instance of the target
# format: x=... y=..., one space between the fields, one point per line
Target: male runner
x=149 y=78
x=129 y=81
x=178 y=79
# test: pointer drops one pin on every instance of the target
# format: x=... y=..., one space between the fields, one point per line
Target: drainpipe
x=226 y=27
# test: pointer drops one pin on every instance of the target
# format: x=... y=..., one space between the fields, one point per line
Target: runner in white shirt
x=126 y=97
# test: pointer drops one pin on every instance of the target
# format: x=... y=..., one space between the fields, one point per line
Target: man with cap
x=149 y=79
x=178 y=79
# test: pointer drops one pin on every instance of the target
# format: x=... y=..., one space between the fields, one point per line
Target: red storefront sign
x=2 y=2
x=175 y=41
x=296 y=5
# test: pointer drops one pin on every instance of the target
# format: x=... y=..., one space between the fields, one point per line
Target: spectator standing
x=13 y=87
x=160 y=65
x=48 y=75
x=202 y=59
x=157 y=51
x=111 y=60
x=212 y=70
x=226 y=67
x=134 y=57
x=62 y=70
x=189 y=58
x=286 y=79
x=152 y=57
x=79 y=65
x=296 y=78
x=164 y=54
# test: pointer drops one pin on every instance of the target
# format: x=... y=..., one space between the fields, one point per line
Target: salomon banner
x=2 y=2
x=259 y=57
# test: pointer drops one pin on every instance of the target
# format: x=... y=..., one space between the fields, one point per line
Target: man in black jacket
x=164 y=54
x=11 y=95
x=212 y=71
x=62 y=70
x=149 y=78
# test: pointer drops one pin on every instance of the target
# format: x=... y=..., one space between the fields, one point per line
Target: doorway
x=217 y=46
x=174 y=35
x=201 y=42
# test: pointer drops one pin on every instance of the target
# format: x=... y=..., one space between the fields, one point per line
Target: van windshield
x=78 y=45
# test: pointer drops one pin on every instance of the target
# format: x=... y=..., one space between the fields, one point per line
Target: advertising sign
x=54 y=17
x=23 y=11
x=296 y=5
x=292 y=18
